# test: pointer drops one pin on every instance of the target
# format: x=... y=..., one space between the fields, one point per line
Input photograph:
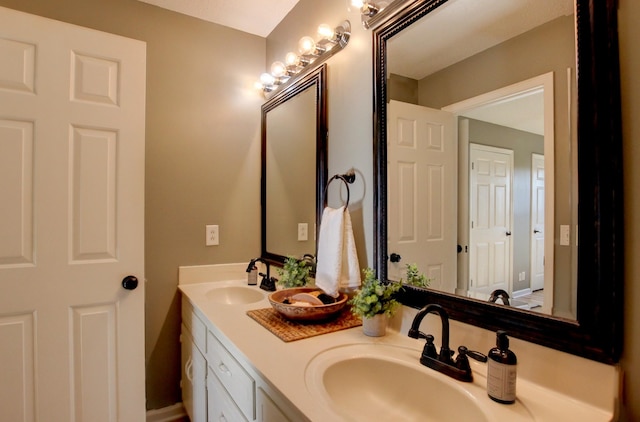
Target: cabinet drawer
x=195 y=326
x=232 y=376
x=221 y=407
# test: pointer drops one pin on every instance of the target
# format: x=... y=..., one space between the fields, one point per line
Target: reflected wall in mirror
x=294 y=168
x=485 y=206
x=474 y=141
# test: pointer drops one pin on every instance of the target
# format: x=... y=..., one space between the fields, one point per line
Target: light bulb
x=356 y=3
x=306 y=45
x=267 y=79
x=278 y=69
x=291 y=59
x=325 y=31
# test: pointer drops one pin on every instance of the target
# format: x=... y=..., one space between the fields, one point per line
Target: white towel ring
x=347 y=178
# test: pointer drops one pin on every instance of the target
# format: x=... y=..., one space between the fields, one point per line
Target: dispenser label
x=501 y=381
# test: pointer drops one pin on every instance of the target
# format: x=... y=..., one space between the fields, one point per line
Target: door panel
x=490 y=246
x=422 y=171
x=72 y=173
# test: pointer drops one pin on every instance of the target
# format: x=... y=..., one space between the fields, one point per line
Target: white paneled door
x=490 y=209
x=422 y=193
x=71 y=222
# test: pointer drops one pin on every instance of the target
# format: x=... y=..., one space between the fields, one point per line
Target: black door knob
x=130 y=282
x=508 y=233
x=395 y=257
x=536 y=231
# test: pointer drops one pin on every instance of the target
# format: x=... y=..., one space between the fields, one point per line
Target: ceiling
x=501 y=16
x=258 y=17
x=466 y=27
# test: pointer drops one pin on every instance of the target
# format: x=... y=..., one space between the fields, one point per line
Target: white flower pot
x=376 y=326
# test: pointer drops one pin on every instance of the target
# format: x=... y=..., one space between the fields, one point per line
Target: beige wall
x=199 y=140
x=202 y=154
x=350 y=93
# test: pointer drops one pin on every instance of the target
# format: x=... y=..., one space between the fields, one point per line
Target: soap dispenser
x=501 y=371
x=252 y=272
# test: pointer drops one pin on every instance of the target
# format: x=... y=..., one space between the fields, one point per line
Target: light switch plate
x=565 y=235
x=303 y=232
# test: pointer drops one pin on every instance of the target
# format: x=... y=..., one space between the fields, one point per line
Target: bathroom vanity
x=236 y=370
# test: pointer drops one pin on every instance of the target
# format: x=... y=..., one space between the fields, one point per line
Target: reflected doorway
x=490 y=110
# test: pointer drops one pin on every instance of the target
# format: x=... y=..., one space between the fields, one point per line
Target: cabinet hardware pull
x=223 y=368
x=188 y=369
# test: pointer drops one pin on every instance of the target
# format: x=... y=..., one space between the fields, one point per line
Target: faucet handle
x=461 y=360
x=480 y=357
x=268 y=283
x=415 y=333
x=429 y=348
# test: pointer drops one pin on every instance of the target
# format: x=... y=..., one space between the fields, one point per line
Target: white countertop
x=283 y=364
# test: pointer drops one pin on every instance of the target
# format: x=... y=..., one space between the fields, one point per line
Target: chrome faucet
x=443 y=362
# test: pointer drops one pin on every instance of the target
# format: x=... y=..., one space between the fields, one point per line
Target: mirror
x=490 y=139
x=294 y=167
x=583 y=287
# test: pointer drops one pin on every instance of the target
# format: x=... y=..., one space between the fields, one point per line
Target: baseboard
x=173 y=413
x=520 y=293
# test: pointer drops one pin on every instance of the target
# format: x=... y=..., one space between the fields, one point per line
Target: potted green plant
x=415 y=278
x=294 y=273
x=375 y=302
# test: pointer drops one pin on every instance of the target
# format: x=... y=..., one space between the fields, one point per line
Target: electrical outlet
x=213 y=235
x=303 y=232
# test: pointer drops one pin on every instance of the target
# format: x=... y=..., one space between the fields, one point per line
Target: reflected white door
x=490 y=245
x=537 y=221
x=71 y=222
x=422 y=192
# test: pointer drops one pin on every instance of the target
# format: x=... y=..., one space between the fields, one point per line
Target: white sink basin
x=377 y=382
x=397 y=391
x=235 y=295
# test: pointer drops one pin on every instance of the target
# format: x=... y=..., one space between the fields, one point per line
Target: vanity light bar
x=375 y=11
x=309 y=51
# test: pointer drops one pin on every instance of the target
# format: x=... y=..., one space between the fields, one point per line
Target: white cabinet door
x=194 y=381
x=71 y=222
x=267 y=410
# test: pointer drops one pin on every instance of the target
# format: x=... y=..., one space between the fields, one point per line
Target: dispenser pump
x=501 y=372
x=502 y=341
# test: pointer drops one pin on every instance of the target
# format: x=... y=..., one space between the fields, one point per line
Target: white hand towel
x=337 y=260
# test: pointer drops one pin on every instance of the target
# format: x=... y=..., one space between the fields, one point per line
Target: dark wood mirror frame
x=597 y=334
x=316 y=78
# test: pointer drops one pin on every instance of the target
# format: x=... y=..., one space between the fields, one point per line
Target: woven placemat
x=288 y=330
